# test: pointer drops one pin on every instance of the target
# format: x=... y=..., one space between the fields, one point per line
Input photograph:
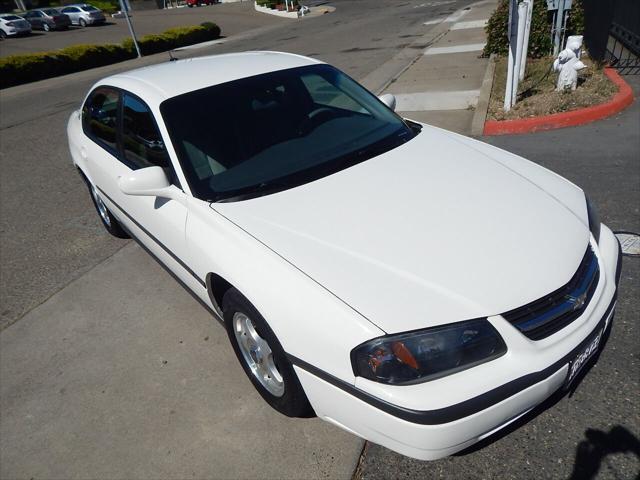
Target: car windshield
x=51 y=12
x=10 y=17
x=89 y=8
x=274 y=131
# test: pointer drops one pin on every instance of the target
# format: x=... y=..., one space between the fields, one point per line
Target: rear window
x=89 y=8
x=51 y=11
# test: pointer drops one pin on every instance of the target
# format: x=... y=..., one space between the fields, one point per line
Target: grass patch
x=537 y=95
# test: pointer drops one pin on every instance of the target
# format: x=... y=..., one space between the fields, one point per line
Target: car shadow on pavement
x=597 y=445
x=547 y=404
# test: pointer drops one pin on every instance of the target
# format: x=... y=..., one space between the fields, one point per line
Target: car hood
x=432 y=232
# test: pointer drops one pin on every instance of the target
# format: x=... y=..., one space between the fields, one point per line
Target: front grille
x=553 y=312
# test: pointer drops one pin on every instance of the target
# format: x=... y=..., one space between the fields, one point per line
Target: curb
x=482 y=107
x=622 y=99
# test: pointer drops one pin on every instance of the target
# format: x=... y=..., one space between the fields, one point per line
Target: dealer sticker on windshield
x=583 y=357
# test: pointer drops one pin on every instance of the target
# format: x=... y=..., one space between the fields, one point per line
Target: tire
x=242 y=320
x=46 y=27
x=3 y=34
x=82 y=22
x=109 y=222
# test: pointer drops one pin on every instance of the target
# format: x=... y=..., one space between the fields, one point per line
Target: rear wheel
x=262 y=357
x=82 y=22
x=3 y=34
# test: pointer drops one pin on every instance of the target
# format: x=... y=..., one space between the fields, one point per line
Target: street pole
x=525 y=46
x=522 y=19
x=513 y=39
x=558 y=27
x=124 y=7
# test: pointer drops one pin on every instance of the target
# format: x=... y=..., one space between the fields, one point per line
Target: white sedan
x=13 y=25
x=415 y=287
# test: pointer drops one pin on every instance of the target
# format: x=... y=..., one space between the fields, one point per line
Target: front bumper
x=413 y=421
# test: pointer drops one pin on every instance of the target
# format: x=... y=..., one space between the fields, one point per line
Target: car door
x=73 y=13
x=32 y=19
x=122 y=136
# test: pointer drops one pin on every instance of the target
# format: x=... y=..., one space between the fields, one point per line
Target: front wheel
x=109 y=222
x=82 y=22
x=46 y=27
x=3 y=34
x=262 y=357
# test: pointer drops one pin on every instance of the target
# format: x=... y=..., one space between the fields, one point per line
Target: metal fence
x=612 y=33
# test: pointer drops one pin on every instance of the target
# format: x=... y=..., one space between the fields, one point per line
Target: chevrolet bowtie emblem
x=578 y=302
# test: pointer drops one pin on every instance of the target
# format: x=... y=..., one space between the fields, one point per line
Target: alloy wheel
x=257 y=354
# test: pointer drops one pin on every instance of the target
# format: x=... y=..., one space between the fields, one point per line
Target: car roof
x=158 y=82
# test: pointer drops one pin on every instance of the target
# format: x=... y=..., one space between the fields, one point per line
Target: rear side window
x=70 y=10
x=100 y=117
x=141 y=140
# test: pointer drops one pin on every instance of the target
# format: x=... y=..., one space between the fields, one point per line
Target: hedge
x=19 y=69
x=540 y=42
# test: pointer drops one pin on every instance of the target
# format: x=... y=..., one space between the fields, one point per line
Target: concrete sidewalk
x=442 y=86
x=98 y=384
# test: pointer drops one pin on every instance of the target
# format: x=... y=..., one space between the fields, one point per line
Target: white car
x=415 y=287
x=13 y=25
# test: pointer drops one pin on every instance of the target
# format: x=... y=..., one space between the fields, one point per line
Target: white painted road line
x=469 y=24
x=434 y=22
x=454 y=17
x=425 y=101
x=473 y=47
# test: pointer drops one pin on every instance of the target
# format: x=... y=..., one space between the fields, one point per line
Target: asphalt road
x=48 y=229
x=596 y=432
x=49 y=236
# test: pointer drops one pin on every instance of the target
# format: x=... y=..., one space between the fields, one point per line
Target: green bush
x=540 y=41
x=19 y=69
x=267 y=3
x=106 y=6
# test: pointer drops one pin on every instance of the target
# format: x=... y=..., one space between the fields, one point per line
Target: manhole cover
x=630 y=243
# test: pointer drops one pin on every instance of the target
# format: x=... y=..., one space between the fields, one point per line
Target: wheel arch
x=217 y=286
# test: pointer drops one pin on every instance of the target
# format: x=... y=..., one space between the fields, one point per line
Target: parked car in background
x=413 y=286
x=84 y=14
x=13 y=25
x=47 y=19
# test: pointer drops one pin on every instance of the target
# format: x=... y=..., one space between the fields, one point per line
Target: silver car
x=11 y=24
x=84 y=14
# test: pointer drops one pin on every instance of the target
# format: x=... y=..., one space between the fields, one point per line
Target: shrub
x=106 y=6
x=539 y=37
x=267 y=3
x=540 y=41
x=19 y=69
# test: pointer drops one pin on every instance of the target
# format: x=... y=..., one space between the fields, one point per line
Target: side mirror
x=389 y=100
x=149 y=182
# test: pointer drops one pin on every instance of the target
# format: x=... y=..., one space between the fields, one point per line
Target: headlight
x=423 y=355
x=594 y=221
